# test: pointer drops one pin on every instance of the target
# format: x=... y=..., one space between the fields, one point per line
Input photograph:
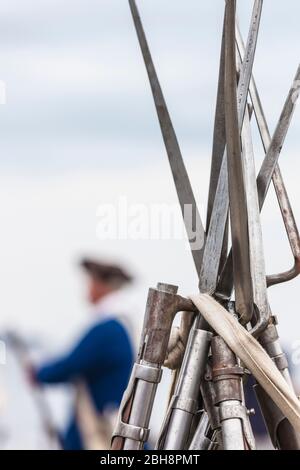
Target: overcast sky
x=79 y=129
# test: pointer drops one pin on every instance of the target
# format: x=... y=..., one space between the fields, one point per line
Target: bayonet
x=257 y=262
x=270 y=170
x=217 y=227
x=279 y=186
x=237 y=197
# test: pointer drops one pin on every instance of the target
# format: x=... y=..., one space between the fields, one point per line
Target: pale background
x=79 y=129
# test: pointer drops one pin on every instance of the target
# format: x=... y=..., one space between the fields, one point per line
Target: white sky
x=79 y=129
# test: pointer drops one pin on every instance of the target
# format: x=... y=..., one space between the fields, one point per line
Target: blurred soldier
x=101 y=362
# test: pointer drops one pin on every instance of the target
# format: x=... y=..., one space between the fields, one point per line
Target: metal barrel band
x=147 y=373
x=227 y=372
x=129 y=431
x=270 y=335
x=281 y=361
x=185 y=404
x=232 y=411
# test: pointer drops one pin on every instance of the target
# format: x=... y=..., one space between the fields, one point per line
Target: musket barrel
x=184 y=403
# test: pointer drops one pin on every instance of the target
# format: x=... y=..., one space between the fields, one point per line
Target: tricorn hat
x=110 y=273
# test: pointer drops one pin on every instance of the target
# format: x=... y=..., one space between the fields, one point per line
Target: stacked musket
x=207 y=409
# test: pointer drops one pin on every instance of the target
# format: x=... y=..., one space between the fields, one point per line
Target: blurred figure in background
x=99 y=365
